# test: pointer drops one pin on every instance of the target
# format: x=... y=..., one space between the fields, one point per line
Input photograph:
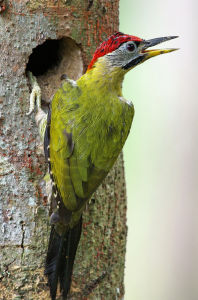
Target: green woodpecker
x=85 y=131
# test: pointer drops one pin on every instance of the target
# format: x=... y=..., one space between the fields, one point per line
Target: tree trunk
x=68 y=33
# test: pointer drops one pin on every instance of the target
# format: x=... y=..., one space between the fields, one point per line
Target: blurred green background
x=161 y=155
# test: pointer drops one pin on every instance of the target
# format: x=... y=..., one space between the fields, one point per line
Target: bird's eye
x=131 y=47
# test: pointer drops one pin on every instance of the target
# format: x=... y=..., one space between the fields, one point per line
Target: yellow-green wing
x=85 y=139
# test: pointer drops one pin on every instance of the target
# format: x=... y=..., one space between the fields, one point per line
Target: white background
x=161 y=154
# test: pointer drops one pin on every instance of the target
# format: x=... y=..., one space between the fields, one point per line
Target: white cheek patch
x=121 y=56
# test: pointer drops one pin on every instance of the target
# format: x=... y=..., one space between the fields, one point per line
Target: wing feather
x=85 y=141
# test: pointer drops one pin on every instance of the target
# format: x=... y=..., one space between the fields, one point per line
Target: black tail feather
x=53 y=260
x=60 y=259
x=65 y=275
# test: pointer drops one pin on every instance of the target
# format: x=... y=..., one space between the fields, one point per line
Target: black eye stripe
x=137 y=43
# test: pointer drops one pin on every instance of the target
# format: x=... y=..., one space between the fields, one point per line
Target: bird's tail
x=60 y=259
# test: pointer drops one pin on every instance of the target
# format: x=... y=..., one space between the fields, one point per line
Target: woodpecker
x=83 y=134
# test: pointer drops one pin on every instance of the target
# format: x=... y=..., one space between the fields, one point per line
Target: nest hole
x=50 y=60
x=45 y=57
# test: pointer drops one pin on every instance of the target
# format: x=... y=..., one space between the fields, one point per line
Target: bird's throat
x=104 y=77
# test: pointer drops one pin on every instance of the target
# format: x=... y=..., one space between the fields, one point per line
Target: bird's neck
x=104 y=77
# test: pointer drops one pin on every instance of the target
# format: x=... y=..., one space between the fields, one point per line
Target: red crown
x=111 y=44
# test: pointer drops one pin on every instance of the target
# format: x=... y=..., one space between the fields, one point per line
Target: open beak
x=144 y=53
x=154 y=52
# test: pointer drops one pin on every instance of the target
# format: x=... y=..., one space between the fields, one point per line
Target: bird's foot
x=35 y=96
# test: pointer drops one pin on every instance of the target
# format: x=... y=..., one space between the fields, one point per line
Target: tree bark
x=70 y=30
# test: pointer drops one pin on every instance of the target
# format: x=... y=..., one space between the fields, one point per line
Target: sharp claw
x=35 y=95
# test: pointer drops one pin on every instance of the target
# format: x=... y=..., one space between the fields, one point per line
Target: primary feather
x=85 y=135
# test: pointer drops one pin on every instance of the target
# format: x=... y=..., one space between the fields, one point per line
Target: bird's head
x=124 y=52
